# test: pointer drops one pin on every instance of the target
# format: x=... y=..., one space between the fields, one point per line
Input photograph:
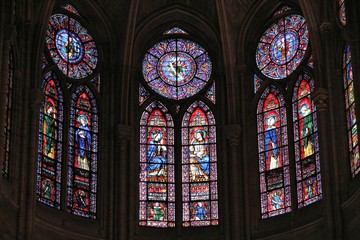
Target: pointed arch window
x=199 y=167
x=50 y=142
x=273 y=154
x=306 y=139
x=8 y=111
x=342 y=12
x=70 y=69
x=157 y=178
x=173 y=102
x=351 y=111
x=283 y=50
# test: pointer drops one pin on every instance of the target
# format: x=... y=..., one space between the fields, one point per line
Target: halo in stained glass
x=282 y=47
x=71 y=46
x=177 y=68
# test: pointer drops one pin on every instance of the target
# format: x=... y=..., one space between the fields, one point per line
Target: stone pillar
x=122 y=180
x=327 y=133
x=244 y=83
x=235 y=182
x=319 y=97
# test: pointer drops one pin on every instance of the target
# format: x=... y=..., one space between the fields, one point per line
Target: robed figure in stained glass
x=157 y=211
x=271 y=143
x=199 y=156
x=156 y=154
x=81 y=200
x=306 y=130
x=200 y=211
x=49 y=128
x=276 y=200
x=83 y=140
x=48 y=189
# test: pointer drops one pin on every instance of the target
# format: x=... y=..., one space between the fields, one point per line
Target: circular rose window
x=177 y=68
x=282 y=47
x=71 y=46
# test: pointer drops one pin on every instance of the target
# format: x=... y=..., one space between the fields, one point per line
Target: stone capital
x=232 y=133
x=320 y=96
x=326 y=27
x=124 y=132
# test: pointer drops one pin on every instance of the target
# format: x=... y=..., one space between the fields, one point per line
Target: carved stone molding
x=320 y=96
x=232 y=133
x=326 y=27
x=124 y=132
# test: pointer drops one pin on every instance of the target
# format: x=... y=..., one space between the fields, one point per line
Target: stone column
x=235 y=182
x=319 y=97
x=327 y=132
x=122 y=182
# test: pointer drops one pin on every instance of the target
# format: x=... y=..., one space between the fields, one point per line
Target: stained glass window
x=71 y=47
x=282 y=47
x=177 y=68
x=70 y=54
x=8 y=109
x=175 y=30
x=157 y=177
x=257 y=83
x=210 y=94
x=48 y=179
x=44 y=62
x=70 y=8
x=307 y=156
x=310 y=62
x=83 y=143
x=143 y=94
x=342 y=12
x=351 y=112
x=282 y=10
x=199 y=167
x=96 y=82
x=273 y=154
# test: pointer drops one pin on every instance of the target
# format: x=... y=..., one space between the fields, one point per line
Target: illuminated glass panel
x=157 y=180
x=44 y=62
x=257 y=83
x=199 y=167
x=210 y=94
x=307 y=157
x=96 y=82
x=273 y=154
x=311 y=62
x=48 y=178
x=176 y=68
x=282 y=10
x=71 y=47
x=282 y=47
x=342 y=12
x=175 y=30
x=82 y=160
x=8 y=109
x=351 y=112
x=70 y=8
x=143 y=94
